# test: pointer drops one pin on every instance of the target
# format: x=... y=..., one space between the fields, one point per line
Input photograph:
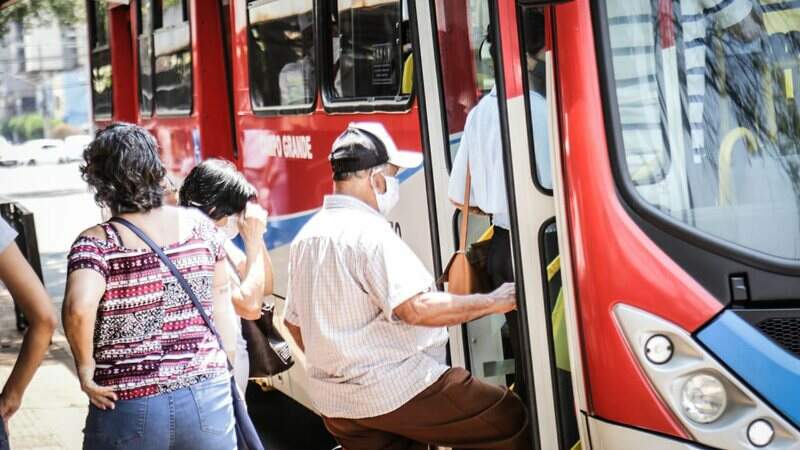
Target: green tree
x=30 y=12
x=25 y=127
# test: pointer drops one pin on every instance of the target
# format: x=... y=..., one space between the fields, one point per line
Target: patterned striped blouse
x=149 y=338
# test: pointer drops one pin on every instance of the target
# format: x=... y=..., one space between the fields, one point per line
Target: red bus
x=651 y=170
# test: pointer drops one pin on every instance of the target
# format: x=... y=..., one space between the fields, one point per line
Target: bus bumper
x=609 y=436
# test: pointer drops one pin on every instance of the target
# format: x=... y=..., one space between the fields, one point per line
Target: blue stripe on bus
x=770 y=370
x=282 y=230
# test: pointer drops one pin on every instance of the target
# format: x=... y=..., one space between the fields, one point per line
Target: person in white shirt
x=365 y=311
x=481 y=153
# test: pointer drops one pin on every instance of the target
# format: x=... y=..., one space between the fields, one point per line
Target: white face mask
x=231 y=229
x=389 y=199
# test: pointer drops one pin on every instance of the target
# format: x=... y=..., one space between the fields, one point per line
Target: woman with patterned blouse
x=154 y=373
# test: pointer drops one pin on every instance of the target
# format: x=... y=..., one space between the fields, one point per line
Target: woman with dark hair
x=155 y=374
x=223 y=194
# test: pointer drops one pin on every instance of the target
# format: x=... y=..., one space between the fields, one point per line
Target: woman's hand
x=100 y=396
x=253 y=224
x=9 y=404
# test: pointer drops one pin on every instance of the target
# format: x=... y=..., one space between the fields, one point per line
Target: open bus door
x=521 y=82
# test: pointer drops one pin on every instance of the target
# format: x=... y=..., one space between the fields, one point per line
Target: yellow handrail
x=553 y=268
x=726 y=160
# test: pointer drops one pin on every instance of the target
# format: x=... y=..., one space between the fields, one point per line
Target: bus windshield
x=707 y=98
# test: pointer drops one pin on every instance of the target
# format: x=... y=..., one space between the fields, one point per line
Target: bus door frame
x=531 y=208
x=529 y=205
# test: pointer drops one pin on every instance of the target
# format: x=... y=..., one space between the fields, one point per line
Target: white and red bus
x=656 y=237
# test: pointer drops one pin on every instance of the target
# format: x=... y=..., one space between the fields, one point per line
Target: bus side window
x=101 y=59
x=145 y=47
x=172 y=48
x=370 y=53
x=533 y=54
x=281 y=54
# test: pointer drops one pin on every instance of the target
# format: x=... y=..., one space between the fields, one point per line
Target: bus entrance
x=487 y=103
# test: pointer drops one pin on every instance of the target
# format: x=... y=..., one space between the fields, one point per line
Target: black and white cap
x=365 y=145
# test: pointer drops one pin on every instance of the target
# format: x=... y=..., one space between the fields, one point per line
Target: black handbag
x=268 y=352
x=246 y=435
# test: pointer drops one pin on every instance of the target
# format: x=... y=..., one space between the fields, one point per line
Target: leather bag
x=466 y=273
x=268 y=352
x=246 y=435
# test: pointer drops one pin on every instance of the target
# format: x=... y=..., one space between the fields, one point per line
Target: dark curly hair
x=122 y=166
x=217 y=188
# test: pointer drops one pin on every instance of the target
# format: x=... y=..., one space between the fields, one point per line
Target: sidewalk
x=54 y=408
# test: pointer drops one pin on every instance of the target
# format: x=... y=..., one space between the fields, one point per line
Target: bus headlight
x=760 y=433
x=703 y=398
x=715 y=408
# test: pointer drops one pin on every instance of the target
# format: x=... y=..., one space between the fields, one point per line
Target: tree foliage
x=31 y=12
x=24 y=127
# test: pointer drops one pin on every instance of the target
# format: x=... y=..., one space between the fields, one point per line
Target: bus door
x=479 y=50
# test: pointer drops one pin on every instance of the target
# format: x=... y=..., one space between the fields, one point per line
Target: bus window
x=368 y=50
x=145 y=29
x=467 y=70
x=533 y=54
x=281 y=53
x=718 y=87
x=101 y=59
x=173 y=57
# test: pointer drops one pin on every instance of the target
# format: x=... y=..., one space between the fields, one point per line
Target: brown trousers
x=457 y=411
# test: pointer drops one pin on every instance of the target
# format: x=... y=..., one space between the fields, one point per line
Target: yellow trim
x=553 y=268
x=788 y=79
x=487 y=234
x=408 y=76
x=726 y=160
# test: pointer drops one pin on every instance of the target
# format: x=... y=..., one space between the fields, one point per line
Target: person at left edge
x=154 y=373
x=28 y=292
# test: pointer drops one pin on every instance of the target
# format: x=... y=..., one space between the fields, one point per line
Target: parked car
x=44 y=151
x=74 y=146
x=14 y=155
x=6 y=153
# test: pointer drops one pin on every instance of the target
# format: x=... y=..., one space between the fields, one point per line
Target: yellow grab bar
x=726 y=160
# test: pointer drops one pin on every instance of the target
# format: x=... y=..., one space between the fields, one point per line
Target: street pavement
x=54 y=408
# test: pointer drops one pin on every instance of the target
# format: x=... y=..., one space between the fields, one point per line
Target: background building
x=43 y=79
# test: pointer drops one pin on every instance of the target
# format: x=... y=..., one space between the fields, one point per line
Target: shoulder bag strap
x=176 y=273
x=462 y=242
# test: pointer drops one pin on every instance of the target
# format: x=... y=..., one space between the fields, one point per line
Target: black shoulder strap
x=175 y=272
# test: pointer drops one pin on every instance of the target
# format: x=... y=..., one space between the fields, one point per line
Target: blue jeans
x=4 y=445
x=199 y=417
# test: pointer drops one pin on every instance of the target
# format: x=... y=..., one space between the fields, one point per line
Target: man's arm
x=30 y=295
x=441 y=309
x=294 y=330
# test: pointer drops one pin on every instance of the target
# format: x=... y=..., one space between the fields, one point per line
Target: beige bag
x=461 y=274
